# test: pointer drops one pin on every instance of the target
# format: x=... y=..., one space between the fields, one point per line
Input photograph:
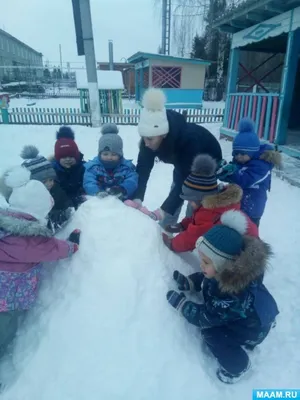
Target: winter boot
x=225 y=377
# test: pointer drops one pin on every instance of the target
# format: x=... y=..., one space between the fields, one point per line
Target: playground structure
x=182 y=79
x=111 y=86
x=276 y=113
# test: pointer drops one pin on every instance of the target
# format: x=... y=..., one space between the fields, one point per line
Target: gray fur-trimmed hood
x=17 y=224
x=249 y=265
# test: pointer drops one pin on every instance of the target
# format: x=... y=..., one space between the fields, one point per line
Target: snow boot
x=225 y=377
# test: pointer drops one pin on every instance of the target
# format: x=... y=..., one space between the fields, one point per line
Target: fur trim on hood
x=232 y=194
x=18 y=225
x=272 y=157
x=249 y=265
x=4 y=189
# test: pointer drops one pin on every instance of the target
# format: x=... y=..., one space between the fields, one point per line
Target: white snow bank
x=108 y=331
x=106 y=79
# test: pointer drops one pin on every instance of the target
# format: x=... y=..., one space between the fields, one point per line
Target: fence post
x=5 y=115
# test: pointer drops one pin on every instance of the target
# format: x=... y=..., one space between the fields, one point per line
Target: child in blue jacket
x=251 y=169
x=110 y=173
x=238 y=311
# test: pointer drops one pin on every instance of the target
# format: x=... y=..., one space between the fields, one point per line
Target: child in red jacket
x=209 y=201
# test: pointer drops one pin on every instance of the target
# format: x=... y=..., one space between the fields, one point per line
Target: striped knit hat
x=224 y=242
x=40 y=168
x=202 y=180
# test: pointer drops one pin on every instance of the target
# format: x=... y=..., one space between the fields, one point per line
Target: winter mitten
x=225 y=171
x=183 y=282
x=102 y=195
x=222 y=164
x=75 y=236
x=132 y=204
x=176 y=228
x=176 y=300
x=167 y=240
x=138 y=202
x=116 y=191
x=157 y=215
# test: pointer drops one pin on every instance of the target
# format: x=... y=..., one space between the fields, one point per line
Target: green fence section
x=73 y=116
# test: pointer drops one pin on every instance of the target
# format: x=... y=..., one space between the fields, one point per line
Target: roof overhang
x=252 y=12
x=141 y=57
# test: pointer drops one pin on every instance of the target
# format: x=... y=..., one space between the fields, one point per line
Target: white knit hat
x=153 y=117
x=28 y=196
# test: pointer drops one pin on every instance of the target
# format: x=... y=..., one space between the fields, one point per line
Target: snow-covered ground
x=105 y=329
x=75 y=103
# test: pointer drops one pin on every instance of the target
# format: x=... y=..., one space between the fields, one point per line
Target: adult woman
x=166 y=134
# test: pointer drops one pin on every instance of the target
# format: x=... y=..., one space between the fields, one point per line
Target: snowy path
x=108 y=331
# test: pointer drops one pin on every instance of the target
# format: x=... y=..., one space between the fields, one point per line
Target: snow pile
x=108 y=331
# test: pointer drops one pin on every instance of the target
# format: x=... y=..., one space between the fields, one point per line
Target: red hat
x=65 y=145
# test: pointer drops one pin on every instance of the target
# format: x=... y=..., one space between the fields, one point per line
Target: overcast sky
x=133 y=25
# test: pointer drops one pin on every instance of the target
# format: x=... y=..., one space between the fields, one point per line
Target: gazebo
x=271 y=27
x=111 y=86
x=181 y=79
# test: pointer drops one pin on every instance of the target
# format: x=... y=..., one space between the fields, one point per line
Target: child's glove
x=133 y=204
x=222 y=164
x=75 y=236
x=176 y=300
x=116 y=191
x=167 y=241
x=183 y=282
x=225 y=171
x=176 y=228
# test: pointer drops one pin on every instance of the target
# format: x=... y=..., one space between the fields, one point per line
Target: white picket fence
x=73 y=116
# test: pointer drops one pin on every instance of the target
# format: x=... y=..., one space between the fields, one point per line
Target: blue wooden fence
x=73 y=116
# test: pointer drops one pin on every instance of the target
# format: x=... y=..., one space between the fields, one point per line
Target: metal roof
x=8 y=35
x=252 y=12
x=140 y=57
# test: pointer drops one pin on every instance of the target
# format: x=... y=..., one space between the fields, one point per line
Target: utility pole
x=60 y=57
x=111 y=54
x=90 y=61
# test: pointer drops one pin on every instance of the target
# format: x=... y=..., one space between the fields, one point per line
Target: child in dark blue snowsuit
x=251 y=169
x=110 y=173
x=238 y=311
x=69 y=165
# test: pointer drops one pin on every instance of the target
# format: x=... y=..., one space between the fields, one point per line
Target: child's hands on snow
x=167 y=241
x=102 y=195
x=75 y=236
x=116 y=191
x=183 y=282
x=176 y=300
x=176 y=228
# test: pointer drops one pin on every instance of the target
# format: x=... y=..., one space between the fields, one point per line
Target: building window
x=166 y=77
x=8 y=46
x=1 y=43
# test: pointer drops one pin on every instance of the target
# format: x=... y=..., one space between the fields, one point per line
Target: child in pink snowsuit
x=25 y=243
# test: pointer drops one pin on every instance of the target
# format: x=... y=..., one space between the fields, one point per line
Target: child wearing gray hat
x=110 y=173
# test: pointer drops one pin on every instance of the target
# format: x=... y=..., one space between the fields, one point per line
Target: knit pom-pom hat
x=28 y=196
x=202 y=180
x=246 y=141
x=41 y=169
x=224 y=242
x=65 y=145
x=110 y=140
x=153 y=117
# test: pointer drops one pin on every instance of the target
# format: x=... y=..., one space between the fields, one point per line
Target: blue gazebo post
x=287 y=83
x=137 y=87
x=141 y=82
x=233 y=71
